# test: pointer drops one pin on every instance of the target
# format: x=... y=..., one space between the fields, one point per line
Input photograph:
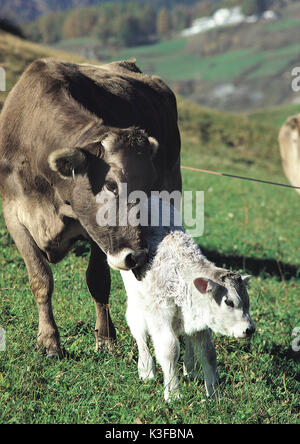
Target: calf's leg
x=167 y=351
x=204 y=352
x=98 y=283
x=40 y=278
x=138 y=328
x=192 y=363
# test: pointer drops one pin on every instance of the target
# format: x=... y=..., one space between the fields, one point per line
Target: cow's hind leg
x=98 y=282
x=40 y=278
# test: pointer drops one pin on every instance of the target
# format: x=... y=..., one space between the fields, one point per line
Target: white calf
x=182 y=293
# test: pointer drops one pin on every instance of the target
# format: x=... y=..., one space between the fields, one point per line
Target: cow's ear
x=154 y=145
x=246 y=279
x=68 y=161
x=201 y=284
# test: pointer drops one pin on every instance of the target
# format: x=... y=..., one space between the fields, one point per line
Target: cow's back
x=54 y=101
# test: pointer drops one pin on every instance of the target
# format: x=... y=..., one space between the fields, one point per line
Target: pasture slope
x=236 y=68
x=248 y=226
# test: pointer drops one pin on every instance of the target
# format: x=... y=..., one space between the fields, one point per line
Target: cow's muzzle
x=127 y=259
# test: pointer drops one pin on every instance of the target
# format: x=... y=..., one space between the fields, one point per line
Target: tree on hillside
x=163 y=22
x=49 y=27
x=78 y=22
x=147 y=19
x=103 y=28
x=181 y=17
x=89 y=19
x=129 y=33
x=254 y=7
x=10 y=27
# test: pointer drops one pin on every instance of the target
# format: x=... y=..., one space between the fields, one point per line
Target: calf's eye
x=229 y=303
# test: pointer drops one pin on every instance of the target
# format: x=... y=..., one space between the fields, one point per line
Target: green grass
x=85 y=41
x=275 y=116
x=162 y=48
x=245 y=222
x=272 y=62
x=179 y=59
x=16 y=55
x=280 y=25
x=171 y=60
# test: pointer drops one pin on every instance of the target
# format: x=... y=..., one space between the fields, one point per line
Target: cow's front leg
x=40 y=278
x=98 y=282
x=167 y=350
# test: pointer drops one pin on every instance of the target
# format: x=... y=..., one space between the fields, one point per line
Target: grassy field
x=249 y=227
x=173 y=60
x=17 y=54
x=261 y=50
x=238 y=68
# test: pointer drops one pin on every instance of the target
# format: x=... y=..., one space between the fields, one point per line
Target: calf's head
x=101 y=174
x=227 y=304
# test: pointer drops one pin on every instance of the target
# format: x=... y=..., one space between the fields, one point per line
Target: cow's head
x=226 y=303
x=102 y=173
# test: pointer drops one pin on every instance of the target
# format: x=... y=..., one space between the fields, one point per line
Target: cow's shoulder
x=49 y=74
x=123 y=66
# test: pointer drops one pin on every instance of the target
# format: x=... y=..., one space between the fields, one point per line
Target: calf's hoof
x=172 y=396
x=146 y=374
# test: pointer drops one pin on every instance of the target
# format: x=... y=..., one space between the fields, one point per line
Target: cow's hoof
x=103 y=343
x=49 y=344
x=51 y=354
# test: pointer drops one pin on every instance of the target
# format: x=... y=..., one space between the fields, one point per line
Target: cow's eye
x=112 y=187
x=229 y=303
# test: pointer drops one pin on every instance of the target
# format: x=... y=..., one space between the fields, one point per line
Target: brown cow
x=289 y=141
x=68 y=134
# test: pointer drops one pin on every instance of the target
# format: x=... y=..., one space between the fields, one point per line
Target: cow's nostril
x=250 y=331
x=136 y=259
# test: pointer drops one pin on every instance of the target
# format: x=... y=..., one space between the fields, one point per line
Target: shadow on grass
x=281 y=354
x=254 y=266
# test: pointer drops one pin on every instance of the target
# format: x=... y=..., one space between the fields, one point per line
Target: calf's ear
x=201 y=284
x=67 y=161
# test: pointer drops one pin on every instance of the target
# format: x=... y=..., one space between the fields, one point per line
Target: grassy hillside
x=16 y=54
x=249 y=227
x=237 y=68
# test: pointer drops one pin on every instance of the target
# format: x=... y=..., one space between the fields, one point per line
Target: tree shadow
x=255 y=266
